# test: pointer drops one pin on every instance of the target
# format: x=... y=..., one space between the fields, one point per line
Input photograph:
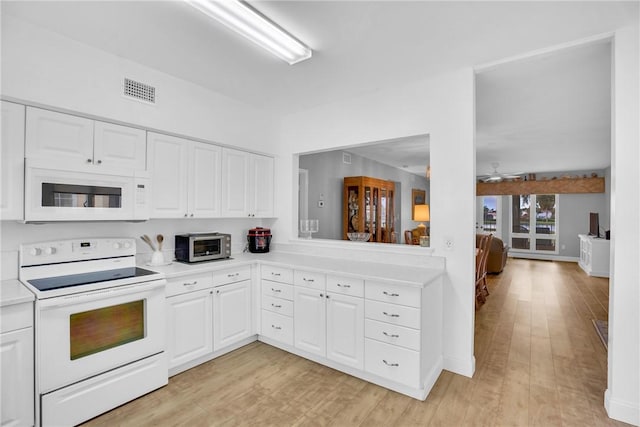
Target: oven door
x=82 y=335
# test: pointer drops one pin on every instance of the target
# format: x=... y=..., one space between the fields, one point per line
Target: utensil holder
x=157 y=258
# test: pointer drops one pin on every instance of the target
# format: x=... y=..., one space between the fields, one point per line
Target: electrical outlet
x=448 y=243
x=321 y=203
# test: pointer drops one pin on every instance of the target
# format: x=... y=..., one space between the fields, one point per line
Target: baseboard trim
x=621 y=410
x=465 y=367
x=543 y=257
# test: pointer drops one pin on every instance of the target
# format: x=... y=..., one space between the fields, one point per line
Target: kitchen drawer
x=309 y=279
x=277 y=327
x=397 y=294
x=392 y=334
x=192 y=283
x=278 y=290
x=277 y=274
x=392 y=313
x=277 y=305
x=234 y=275
x=392 y=362
x=345 y=285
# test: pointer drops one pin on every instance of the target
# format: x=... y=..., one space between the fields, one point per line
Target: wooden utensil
x=148 y=241
x=160 y=239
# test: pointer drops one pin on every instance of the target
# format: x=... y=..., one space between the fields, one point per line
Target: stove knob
x=35 y=251
x=50 y=251
x=117 y=245
x=127 y=245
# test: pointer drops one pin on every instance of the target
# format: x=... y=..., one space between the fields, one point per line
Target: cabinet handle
x=99 y=162
x=275 y=274
x=191 y=215
x=390 y=335
x=89 y=160
x=217 y=291
x=276 y=305
x=185 y=215
x=327 y=296
x=276 y=327
x=343 y=286
x=321 y=295
x=308 y=280
x=195 y=282
x=390 y=295
x=390 y=315
x=230 y=276
x=276 y=290
x=390 y=364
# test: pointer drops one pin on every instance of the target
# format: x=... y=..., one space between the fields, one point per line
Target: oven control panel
x=75 y=250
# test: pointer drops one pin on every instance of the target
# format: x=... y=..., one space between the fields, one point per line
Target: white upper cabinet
x=12 y=168
x=118 y=146
x=248 y=184
x=73 y=142
x=185 y=177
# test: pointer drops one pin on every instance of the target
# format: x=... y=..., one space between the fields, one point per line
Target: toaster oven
x=196 y=247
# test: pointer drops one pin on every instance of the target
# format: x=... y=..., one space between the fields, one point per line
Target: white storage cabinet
x=73 y=142
x=185 y=177
x=17 y=371
x=594 y=255
x=248 y=184
x=12 y=168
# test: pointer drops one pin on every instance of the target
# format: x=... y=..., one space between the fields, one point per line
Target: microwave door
x=80 y=196
x=206 y=247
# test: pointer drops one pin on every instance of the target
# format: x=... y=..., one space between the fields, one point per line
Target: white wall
x=622 y=398
x=443 y=108
x=43 y=67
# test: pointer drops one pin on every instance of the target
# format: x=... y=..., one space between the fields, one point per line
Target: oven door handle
x=101 y=294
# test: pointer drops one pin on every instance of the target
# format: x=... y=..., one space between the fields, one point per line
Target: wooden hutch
x=368 y=208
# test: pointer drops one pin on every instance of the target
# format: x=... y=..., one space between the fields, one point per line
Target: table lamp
x=421 y=213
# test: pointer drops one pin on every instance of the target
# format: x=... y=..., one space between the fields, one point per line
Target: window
x=534 y=223
x=489 y=218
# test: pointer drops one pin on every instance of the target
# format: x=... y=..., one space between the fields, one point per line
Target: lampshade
x=242 y=18
x=421 y=213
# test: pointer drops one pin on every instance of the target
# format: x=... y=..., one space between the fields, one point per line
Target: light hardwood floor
x=538 y=362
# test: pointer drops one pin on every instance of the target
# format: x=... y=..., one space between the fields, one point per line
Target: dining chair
x=481 y=268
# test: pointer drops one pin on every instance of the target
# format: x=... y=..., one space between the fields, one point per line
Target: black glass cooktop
x=51 y=283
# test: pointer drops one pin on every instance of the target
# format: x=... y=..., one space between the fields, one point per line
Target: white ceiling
x=364 y=46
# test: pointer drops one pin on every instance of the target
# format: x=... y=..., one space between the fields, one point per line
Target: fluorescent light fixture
x=243 y=19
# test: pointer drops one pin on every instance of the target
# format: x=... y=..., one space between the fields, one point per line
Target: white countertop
x=406 y=275
x=14 y=292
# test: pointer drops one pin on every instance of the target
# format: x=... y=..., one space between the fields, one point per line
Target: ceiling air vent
x=139 y=91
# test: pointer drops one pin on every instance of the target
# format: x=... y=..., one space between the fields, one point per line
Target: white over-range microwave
x=81 y=195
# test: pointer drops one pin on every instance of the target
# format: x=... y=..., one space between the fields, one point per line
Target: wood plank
x=552 y=186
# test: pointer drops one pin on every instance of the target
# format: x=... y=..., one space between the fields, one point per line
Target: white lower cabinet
x=310 y=324
x=232 y=319
x=345 y=330
x=189 y=326
x=16 y=356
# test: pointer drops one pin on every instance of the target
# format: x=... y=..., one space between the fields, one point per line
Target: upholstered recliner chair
x=497 y=254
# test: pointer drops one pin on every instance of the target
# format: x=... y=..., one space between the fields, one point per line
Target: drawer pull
x=390 y=315
x=390 y=335
x=276 y=290
x=390 y=364
x=276 y=305
x=233 y=275
x=390 y=295
x=277 y=328
x=308 y=280
x=275 y=274
x=195 y=282
x=343 y=286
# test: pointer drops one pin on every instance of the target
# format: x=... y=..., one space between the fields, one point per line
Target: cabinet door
x=205 y=175
x=16 y=354
x=120 y=147
x=189 y=326
x=167 y=157
x=235 y=183
x=261 y=188
x=63 y=138
x=12 y=168
x=309 y=320
x=232 y=314
x=345 y=330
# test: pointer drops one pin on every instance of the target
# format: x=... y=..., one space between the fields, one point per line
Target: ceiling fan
x=496 y=176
